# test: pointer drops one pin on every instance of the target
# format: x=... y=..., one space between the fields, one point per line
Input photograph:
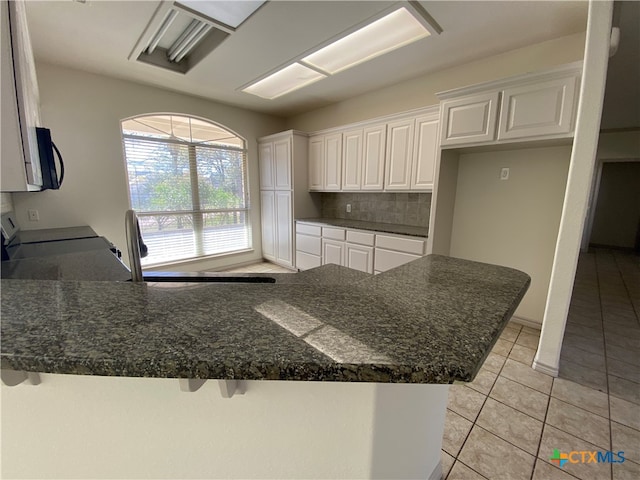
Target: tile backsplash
x=397 y=208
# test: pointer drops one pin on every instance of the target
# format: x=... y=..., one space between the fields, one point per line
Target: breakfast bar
x=337 y=373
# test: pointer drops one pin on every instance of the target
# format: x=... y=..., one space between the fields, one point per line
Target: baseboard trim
x=543 y=368
x=526 y=322
x=437 y=472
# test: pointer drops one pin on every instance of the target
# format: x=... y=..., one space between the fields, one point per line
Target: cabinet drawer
x=388 y=259
x=402 y=244
x=333 y=233
x=361 y=238
x=308 y=244
x=305 y=261
x=308 y=229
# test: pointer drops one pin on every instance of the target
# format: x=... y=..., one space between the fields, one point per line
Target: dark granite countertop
x=433 y=320
x=373 y=226
x=88 y=265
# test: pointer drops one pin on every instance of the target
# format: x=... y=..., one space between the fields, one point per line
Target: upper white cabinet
x=535 y=106
x=316 y=163
x=425 y=152
x=333 y=162
x=274 y=158
x=399 y=155
x=539 y=109
x=395 y=155
x=352 y=159
x=373 y=152
x=470 y=119
x=325 y=162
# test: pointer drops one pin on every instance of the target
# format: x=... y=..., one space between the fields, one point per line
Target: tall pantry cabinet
x=284 y=193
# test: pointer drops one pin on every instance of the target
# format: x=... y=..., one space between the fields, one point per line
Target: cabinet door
x=316 y=162
x=333 y=162
x=544 y=108
x=268 y=221
x=351 y=159
x=399 y=155
x=359 y=257
x=282 y=164
x=332 y=252
x=471 y=119
x=265 y=160
x=388 y=259
x=425 y=153
x=284 y=228
x=374 y=143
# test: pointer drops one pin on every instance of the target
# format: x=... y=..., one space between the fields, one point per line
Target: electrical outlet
x=34 y=216
x=348 y=208
x=504 y=174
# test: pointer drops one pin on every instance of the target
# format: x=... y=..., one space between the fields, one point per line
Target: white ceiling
x=98 y=36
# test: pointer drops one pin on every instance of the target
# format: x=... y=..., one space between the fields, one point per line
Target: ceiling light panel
x=283 y=81
x=390 y=32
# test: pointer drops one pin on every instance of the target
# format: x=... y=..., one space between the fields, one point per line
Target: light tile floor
x=261 y=267
x=507 y=422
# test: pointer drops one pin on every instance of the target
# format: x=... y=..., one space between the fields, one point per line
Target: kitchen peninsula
x=340 y=339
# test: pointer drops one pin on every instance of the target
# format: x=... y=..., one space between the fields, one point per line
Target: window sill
x=191 y=261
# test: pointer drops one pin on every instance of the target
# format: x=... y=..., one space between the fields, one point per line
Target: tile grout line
x=606 y=366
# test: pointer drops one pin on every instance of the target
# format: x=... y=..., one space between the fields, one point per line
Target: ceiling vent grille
x=181 y=34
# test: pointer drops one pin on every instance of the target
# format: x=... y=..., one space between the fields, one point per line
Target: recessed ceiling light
x=231 y=12
x=390 y=32
x=283 y=81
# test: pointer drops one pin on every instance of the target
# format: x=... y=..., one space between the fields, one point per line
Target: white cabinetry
x=352 y=159
x=373 y=152
x=399 y=154
x=308 y=246
x=19 y=103
x=268 y=220
x=539 y=109
x=395 y=250
x=470 y=119
x=538 y=106
x=316 y=163
x=425 y=152
x=277 y=226
x=283 y=182
x=325 y=162
x=361 y=250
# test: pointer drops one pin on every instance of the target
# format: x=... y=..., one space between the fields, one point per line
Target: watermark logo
x=584 y=456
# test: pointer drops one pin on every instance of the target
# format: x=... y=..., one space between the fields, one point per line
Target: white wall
x=421 y=91
x=83 y=111
x=75 y=426
x=6 y=202
x=512 y=222
x=617 y=213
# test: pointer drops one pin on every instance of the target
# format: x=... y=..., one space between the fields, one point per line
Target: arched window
x=188 y=185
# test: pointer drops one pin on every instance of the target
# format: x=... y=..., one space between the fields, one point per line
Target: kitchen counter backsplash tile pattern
x=396 y=208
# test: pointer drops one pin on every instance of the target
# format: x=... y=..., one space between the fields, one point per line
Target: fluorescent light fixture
x=283 y=81
x=390 y=32
x=231 y=13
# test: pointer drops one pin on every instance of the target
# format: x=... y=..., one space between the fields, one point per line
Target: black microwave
x=46 y=149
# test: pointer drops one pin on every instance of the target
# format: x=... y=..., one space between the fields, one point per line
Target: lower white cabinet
x=277 y=226
x=357 y=249
x=359 y=257
x=332 y=252
x=388 y=259
x=395 y=250
x=308 y=246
